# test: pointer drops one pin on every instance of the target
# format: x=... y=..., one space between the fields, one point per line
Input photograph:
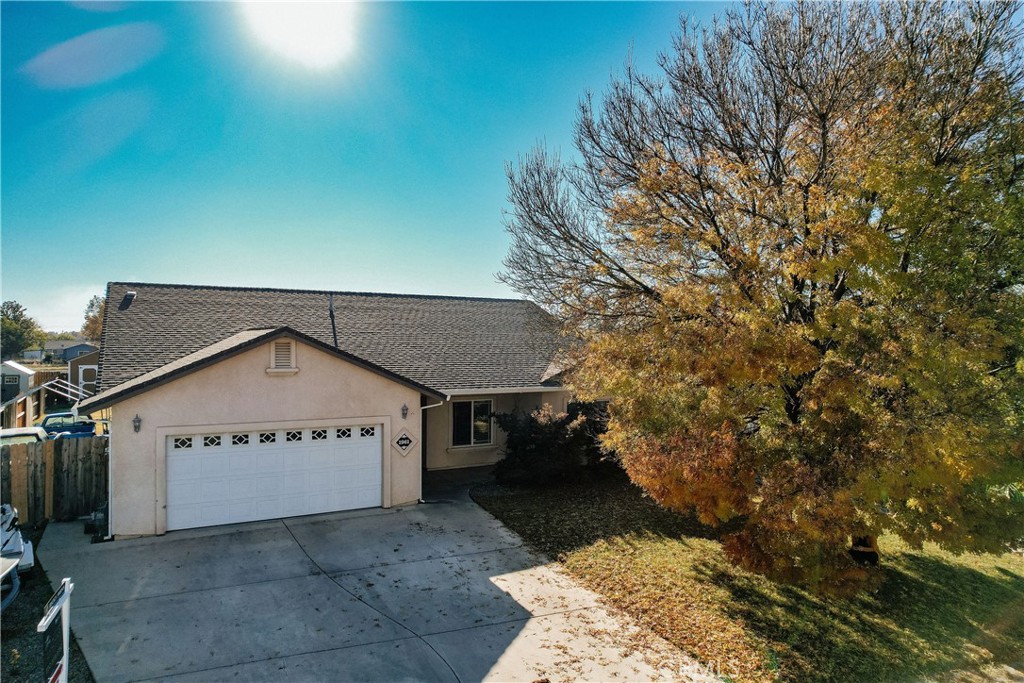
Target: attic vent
x=282 y=354
x=282 y=357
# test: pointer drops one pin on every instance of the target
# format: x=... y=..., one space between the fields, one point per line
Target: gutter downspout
x=441 y=403
x=110 y=493
x=110 y=474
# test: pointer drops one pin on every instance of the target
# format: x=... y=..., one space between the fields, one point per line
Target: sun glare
x=317 y=35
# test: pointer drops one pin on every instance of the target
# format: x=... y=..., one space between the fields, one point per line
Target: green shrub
x=548 y=447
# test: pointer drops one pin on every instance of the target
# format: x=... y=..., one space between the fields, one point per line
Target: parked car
x=68 y=426
x=15 y=435
x=16 y=555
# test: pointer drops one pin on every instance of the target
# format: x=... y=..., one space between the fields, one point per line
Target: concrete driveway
x=438 y=592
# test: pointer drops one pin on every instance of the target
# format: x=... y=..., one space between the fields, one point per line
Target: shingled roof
x=444 y=343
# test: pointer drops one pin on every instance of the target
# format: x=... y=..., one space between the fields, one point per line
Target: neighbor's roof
x=218 y=351
x=19 y=367
x=443 y=343
x=62 y=344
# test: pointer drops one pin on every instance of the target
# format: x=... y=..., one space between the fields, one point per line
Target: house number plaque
x=404 y=442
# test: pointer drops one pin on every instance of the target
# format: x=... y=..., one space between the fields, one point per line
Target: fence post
x=84 y=483
x=83 y=466
x=48 y=476
x=19 y=477
x=36 y=490
x=61 y=496
x=5 y=474
x=99 y=478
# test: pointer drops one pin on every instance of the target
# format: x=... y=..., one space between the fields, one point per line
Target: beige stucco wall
x=237 y=393
x=440 y=453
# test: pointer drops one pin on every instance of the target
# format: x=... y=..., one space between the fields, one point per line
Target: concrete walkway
x=436 y=592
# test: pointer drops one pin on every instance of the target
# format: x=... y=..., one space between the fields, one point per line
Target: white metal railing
x=64 y=388
x=59 y=386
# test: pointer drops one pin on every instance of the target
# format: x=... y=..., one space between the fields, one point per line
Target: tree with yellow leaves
x=92 y=328
x=795 y=264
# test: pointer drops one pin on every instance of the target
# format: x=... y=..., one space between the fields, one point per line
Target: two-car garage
x=255 y=474
x=227 y=436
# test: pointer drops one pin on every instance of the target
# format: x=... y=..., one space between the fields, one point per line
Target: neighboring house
x=16 y=379
x=83 y=372
x=66 y=349
x=79 y=350
x=33 y=354
x=236 y=404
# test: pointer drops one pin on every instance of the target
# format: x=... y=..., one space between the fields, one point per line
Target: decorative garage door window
x=274 y=437
x=270 y=474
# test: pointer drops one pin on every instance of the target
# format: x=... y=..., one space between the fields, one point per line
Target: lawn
x=932 y=614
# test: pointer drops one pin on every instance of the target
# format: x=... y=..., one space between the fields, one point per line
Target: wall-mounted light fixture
x=137 y=422
x=405 y=411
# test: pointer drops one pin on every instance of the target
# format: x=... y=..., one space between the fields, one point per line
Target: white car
x=16 y=435
x=16 y=555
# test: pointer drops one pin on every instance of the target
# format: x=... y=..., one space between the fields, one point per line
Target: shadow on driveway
x=437 y=592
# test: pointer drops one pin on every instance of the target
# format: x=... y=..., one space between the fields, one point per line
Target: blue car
x=68 y=426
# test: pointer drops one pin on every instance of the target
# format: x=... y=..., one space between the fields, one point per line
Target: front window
x=471 y=423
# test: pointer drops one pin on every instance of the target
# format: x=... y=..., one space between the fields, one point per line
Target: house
x=83 y=371
x=33 y=353
x=66 y=349
x=16 y=379
x=238 y=404
x=77 y=350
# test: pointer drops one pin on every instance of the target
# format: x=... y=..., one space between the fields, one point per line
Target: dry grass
x=932 y=614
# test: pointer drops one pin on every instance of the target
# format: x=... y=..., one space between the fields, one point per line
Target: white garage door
x=224 y=478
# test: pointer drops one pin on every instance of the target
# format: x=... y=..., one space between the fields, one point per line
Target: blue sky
x=163 y=142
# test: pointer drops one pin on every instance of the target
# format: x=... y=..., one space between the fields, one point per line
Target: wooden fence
x=60 y=479
x=43 y=376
